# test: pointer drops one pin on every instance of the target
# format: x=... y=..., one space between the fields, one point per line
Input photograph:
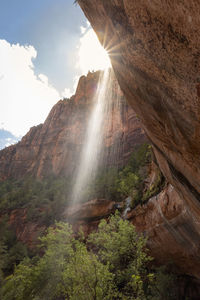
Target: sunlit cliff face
x=92 y=56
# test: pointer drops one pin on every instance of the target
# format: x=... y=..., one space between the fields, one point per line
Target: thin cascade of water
x=92 y=147
x=127 y=206
x=114 y=122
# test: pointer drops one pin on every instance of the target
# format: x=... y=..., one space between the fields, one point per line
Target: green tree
x=128 y=184
x=112 y=265
x=67 y=270
x=119 y=246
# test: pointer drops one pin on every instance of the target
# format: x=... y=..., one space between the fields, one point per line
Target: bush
x=119 y=246
x=67 y=271
x=114 y=264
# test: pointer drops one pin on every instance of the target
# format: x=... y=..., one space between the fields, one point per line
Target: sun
x=92 y=56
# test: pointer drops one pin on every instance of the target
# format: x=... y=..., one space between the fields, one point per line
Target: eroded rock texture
x=154 y=49
x=172 y=230
x=54 y=147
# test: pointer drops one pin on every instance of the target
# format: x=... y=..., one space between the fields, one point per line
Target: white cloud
x=44 y=79
x=88 y=23
x=67 y=93
x=83 y=29
x=75 y=82
x=26 y=99
x=10 y=141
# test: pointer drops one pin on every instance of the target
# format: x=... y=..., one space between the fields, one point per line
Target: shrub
x=113 y=264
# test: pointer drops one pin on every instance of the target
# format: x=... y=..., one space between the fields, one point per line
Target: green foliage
x=50 y=193
x=11 y=250
x=128 y=184
x=155 y=188
x=66 y=270
x=44 y=201
x=119 y=246
x=131 y=179
x=104 y=185
x=114 y=184
x=113 y=264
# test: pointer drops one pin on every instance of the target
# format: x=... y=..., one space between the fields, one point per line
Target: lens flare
x=92 y=56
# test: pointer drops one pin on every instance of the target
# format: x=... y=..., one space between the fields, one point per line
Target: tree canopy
x=112 y=264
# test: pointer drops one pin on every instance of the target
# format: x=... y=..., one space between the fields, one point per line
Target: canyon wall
x=54 y=147
x=154 y=50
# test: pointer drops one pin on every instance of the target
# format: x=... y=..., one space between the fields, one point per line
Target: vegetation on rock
x=12 y=251
x=50 y=193
x=53 y=193
x=114 y=184
x=44 y=201
x=73 y=269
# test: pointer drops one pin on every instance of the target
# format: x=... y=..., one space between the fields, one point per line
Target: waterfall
x=92 y=146
x=127 y=206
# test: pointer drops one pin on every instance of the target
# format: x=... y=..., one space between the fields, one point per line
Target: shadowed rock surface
x=154 y=49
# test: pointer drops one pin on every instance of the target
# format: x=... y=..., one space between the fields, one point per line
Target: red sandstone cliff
x=54 y=147
x=154 y=49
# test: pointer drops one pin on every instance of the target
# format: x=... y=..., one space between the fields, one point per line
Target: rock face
x=162 y=219
x=172 y=230
x=86 y=215
x=154 y=50
x=27 y=231
x=54 y=147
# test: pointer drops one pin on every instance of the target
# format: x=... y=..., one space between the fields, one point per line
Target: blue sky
x=45 y=46
x=52 y=27
x=38 y=58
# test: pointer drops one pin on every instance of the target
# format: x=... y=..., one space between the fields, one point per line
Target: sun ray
x=92 y=56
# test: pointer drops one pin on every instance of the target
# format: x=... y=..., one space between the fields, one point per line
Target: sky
x=45 y=46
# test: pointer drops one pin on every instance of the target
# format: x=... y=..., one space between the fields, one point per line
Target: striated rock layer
x=154 y=50
x=54 y=147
